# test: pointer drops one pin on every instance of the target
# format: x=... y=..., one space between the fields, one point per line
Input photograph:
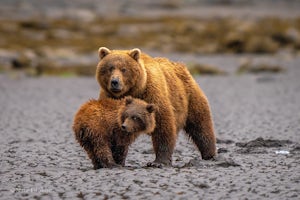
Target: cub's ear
x=128 y=100
x=151 y=108
x=103 y=51
x=135 y=53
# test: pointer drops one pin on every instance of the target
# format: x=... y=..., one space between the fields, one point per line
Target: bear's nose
x=115 y=83
x=123 y=127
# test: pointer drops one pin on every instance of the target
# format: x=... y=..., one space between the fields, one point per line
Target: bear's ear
x=135 y=53
x=151 y=108
x=103 y=51
x=128 y=100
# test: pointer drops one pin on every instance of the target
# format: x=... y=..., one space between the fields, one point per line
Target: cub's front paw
x=157 y=164
x=106 y=165
x=154 y=165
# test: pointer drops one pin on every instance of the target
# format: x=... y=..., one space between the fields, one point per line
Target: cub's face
x=118 y=71
x=137 y=116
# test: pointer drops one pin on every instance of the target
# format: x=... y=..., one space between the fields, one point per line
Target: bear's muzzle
x=115 y=85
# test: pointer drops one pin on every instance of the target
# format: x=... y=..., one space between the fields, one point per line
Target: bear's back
x=171 y=76
x=100 y=116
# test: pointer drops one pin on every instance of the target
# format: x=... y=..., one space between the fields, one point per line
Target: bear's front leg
x=120 y=154
x=103 y=157
x=163 y=138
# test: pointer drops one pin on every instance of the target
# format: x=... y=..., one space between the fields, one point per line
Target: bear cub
x=105 y=128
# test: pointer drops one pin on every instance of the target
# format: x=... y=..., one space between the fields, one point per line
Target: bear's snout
x=125 y=128
x=115 y=84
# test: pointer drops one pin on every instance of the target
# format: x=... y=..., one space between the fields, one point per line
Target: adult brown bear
x=169 y=85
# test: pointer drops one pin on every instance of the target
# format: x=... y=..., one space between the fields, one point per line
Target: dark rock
x=261 y=142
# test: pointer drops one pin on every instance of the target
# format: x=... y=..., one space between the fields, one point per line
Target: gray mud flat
x=257 y=124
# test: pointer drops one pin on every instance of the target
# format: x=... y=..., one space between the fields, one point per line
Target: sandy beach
x=256 y=122
x=256 y=118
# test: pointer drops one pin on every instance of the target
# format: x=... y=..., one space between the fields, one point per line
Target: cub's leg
x=97 y=147
x=103 y=157
x=119 y=154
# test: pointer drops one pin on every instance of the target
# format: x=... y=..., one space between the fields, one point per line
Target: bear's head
x=120 y=73
x=137 y=116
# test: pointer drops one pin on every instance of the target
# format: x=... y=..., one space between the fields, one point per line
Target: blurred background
x=62 y=37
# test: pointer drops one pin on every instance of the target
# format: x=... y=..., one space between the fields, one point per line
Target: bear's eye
x=123 y=70
x=111 y=68
x=124 y=116
x=102 y=71
x=134 y=118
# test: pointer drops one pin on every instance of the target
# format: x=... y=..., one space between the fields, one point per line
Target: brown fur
x=105 y=128
x=169 y=85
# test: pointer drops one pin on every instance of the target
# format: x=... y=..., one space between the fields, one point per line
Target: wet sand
x=256 y=120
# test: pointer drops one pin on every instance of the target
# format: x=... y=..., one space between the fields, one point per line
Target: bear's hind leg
x=199 y=126
x=88 y=146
